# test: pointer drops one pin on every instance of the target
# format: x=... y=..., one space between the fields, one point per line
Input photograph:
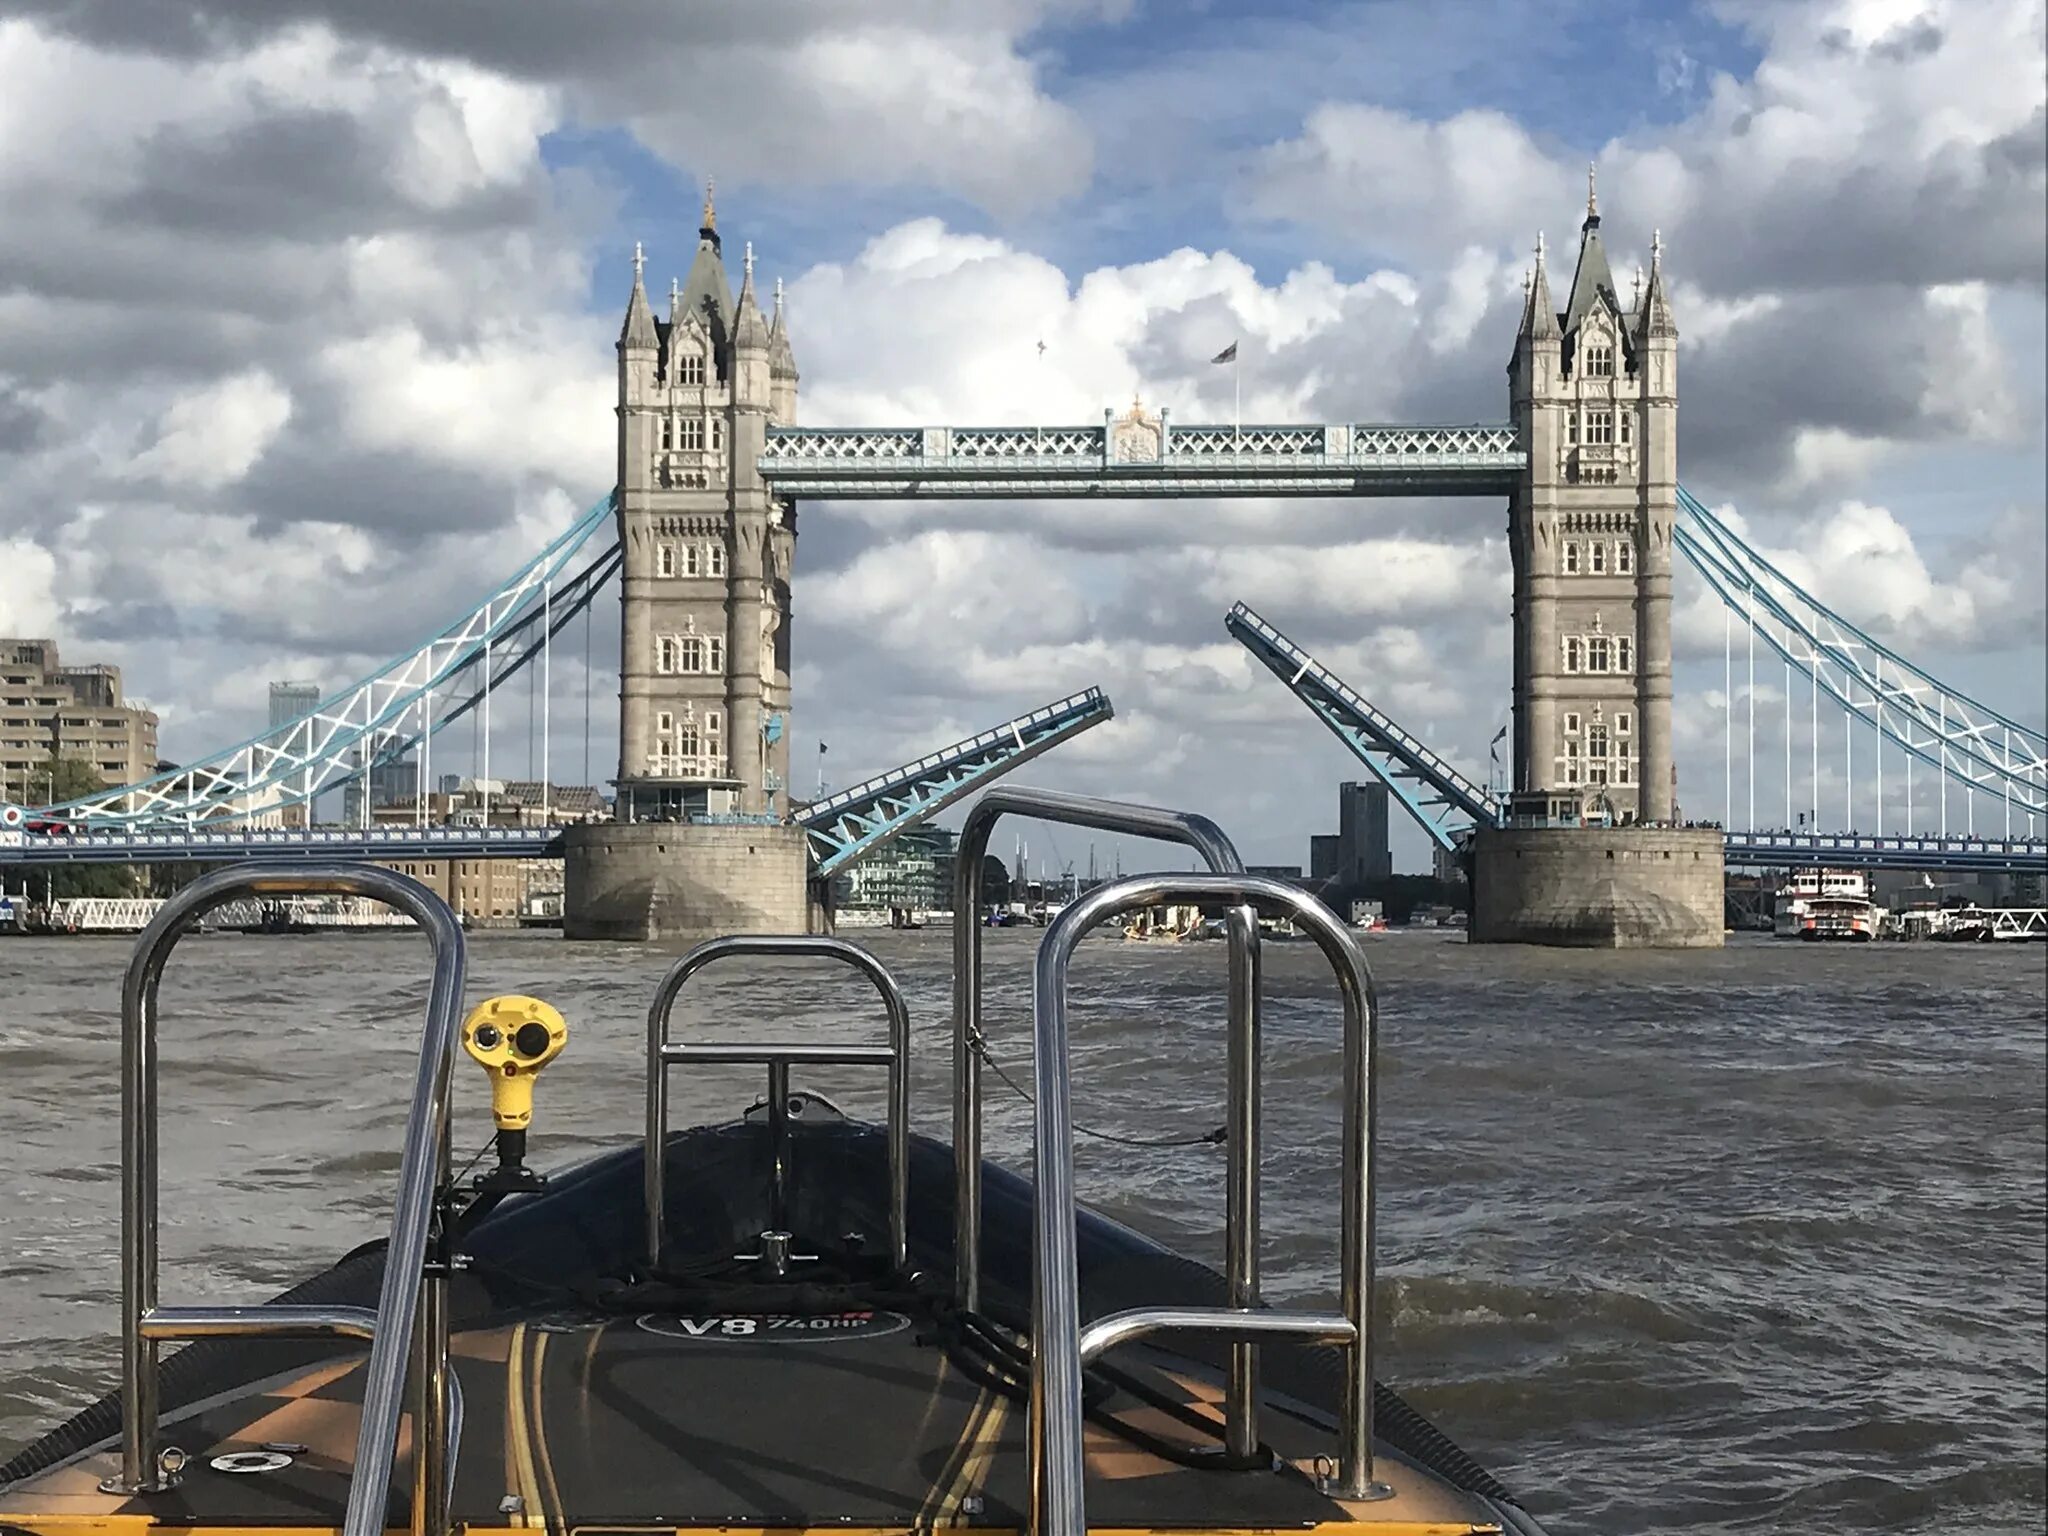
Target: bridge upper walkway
x=1143 y=457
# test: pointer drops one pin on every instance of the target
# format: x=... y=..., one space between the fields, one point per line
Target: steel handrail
x=663 y=1054
x=1241 y=1192
x=411 y=1316
x=1058 y=1345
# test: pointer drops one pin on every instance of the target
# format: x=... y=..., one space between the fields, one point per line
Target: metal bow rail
x=1241 y=1197
x=411 y=1316
x=662 y=1053
x=1060 y=1346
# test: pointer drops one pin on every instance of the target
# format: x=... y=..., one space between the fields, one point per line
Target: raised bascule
x=1584 y=845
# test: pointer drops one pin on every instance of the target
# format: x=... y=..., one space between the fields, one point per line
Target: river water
x=1750 y=1240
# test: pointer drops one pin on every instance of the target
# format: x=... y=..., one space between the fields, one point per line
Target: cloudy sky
x=307 y=311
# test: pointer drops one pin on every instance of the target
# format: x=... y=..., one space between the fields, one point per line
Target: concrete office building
x=50 y=710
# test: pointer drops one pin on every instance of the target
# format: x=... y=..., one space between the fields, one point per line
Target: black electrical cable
x=1215 y=1138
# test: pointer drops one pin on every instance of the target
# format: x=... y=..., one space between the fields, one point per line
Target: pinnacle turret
x=781 y=359
x=638 y=331
x=1539 y=315
x=1655 y=318
x=750 y=331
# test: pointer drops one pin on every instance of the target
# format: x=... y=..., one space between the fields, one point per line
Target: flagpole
x=1237 y=401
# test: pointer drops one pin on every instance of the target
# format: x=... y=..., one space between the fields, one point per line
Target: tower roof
x=706 y=291
x=638 y=331
x=1593 y=276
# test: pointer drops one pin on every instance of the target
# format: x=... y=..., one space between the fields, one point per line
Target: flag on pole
x=1227 y=355
x=1500 y=735
x=821 y=749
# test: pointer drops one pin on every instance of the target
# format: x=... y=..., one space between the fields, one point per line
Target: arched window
x=1596 y=739
x=690 y=368
x=687 y=740
x=1571 y=559
x=1624 y=661
x=1599 y=556
x=693 y=560
x=665 y=560
x=1625 y=558
x=714 y=561
x=1600 y=362
x=666 y=652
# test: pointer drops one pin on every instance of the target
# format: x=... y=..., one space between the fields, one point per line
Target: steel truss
x=1966 y=741
x=371 y=720
x=1430 y=789
x=855 y=822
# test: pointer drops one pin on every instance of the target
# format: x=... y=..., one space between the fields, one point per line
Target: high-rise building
x=1363 y=854
x=49 y=710
x=290 y=701
x=391 y=778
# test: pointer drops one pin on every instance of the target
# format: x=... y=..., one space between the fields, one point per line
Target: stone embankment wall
x=1599 y=888
x=683 y=881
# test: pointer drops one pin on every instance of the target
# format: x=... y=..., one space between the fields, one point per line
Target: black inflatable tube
x=586 y=1227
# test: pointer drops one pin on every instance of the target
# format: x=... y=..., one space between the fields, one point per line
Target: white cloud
x=211 y=437
x=28 y=579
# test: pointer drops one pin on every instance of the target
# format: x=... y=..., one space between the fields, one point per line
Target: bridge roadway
x=1746 y=850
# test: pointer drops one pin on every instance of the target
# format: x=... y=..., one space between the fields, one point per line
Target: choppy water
x=1741 y=1241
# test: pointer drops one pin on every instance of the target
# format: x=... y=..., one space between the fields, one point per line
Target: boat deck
x=585 y=1421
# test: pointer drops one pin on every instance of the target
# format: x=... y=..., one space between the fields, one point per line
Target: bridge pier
x=1631 y=887
x=641 y=882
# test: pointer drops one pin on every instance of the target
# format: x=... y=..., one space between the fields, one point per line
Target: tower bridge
x=700 y=531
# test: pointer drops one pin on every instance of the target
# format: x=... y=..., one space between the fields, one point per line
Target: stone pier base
x=685 y=881
x=1598 y=888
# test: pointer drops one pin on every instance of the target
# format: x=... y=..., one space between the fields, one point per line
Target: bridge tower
x=701 y=842
x=1594 y=392
x=1588 y=855
x=704 y=616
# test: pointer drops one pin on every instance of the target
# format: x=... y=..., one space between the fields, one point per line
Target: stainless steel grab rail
x=1241 y=1193
x=408 y=1295
x=663 y=1054
x=1059 y=1346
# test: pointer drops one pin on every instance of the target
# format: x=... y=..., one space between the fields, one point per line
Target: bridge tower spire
x=1593 y=391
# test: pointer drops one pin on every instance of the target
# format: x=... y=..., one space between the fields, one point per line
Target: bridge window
x=668 y=434
x=693 y=654
x=1625 y=425
x=1571 y=428
x=1571 y=559
x=665 y=560
x=1625 y=552
x=690 y=368
x=714 y=559
x=688 y=740
x=1621 y=724
x=666 y=653
x=1600 y=362
x=693 y=560
x=1598 y=553
x=1600 y=427
x=691 y=436
x=717 y=434
x=1596 y=741
x=1596 y=655
x=1572 y=654
x=1624 y=661
x=1571 y=722
x=714 y=654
